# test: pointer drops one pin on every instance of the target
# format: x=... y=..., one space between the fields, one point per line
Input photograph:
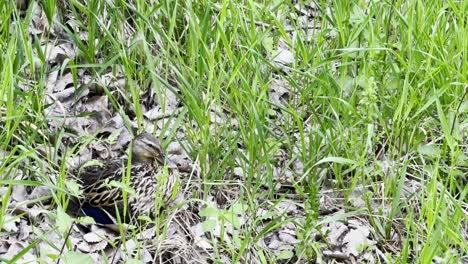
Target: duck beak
x=161 y=158
x=167 y=162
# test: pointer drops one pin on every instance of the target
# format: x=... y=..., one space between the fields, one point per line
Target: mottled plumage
x=150 y=176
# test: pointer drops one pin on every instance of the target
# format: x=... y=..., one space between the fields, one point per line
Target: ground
x=303 y=131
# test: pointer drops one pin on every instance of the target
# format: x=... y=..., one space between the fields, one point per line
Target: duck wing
x=95 y=179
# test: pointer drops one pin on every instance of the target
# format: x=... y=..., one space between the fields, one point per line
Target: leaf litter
x=85 y=110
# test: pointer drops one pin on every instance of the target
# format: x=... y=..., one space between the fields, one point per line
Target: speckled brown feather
x=146 y=177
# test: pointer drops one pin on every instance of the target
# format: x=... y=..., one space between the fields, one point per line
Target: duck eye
x=156 y=148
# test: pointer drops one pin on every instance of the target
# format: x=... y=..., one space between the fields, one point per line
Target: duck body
x=151 y=185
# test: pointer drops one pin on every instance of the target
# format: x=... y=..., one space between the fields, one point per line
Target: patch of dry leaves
x=85 y=110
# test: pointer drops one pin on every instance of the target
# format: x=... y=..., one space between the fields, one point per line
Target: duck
x=152 y=178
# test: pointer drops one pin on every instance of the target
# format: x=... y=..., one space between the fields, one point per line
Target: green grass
x=388 y=77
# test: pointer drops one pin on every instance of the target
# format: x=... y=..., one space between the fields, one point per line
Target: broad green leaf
x=238 y=208
x=86 y=220
x=430 y=150
x=73 y=257
x=114 y=135
x=233 y=219
x=285 y=254
x=358 y=16
x=268 y=43
x=209 y=225
x=91 y=163
x=73 y=187
x=64 y=221
x=209 y=211
x=134 y=261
